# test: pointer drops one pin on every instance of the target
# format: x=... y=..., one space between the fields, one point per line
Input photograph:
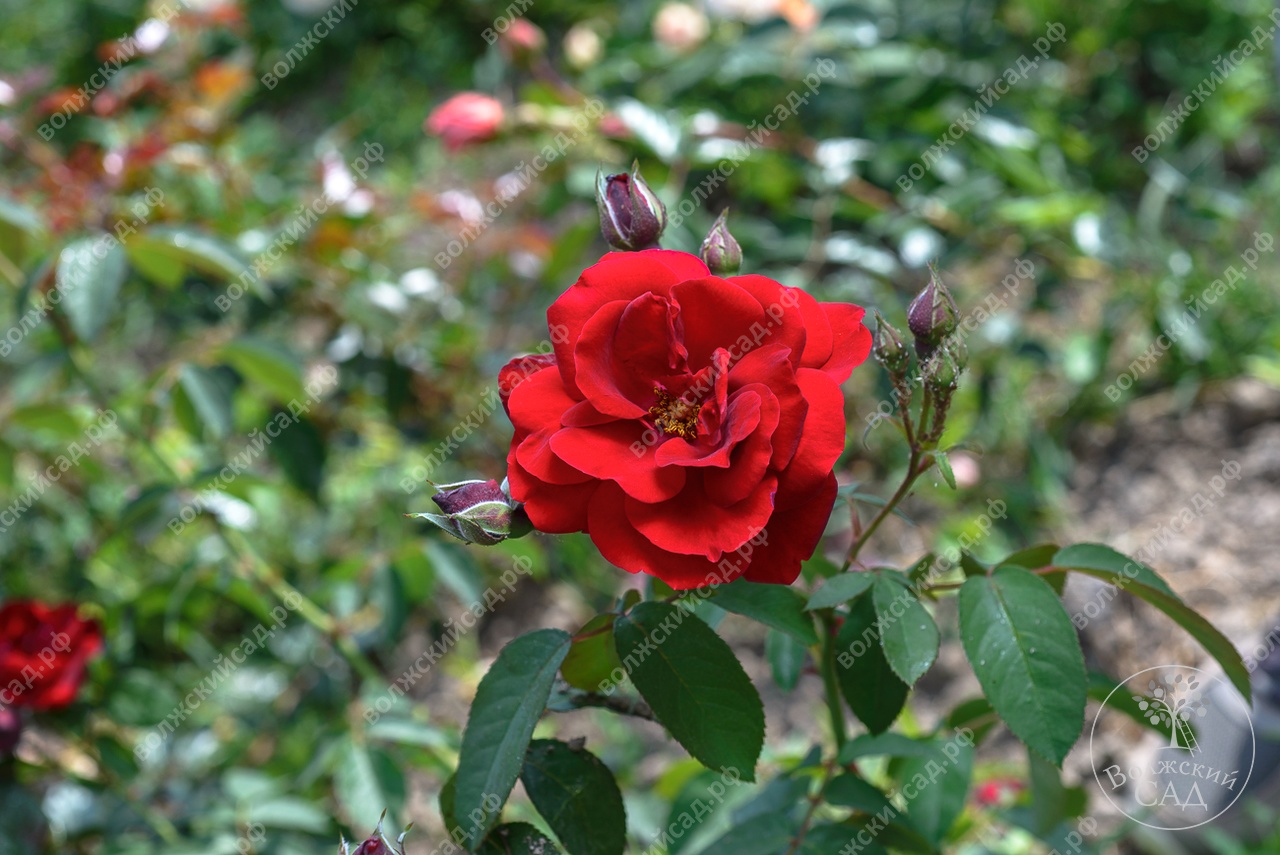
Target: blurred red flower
x=688 y=423
x=465 y=118
x=43 y=651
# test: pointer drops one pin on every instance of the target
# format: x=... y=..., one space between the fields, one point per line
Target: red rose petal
x=551 y=508
x=605 y=452
x=692 y=524
x=822 y=442
x=623 y=546
x=783 y=319
x=741 y=420
x=715 y=314
x=617 y=276
x=750 y=459
x=792 y=535
x=520 y=369
x=817 y=344
x=771 y=366
x=850 y=339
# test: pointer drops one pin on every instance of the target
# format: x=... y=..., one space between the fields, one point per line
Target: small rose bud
x=377 y=844
x=932 y=315
x=631 y=215
x=721 y=253
x=480 y=512
x=10 y=730
x=889 y=348
x=942 y=372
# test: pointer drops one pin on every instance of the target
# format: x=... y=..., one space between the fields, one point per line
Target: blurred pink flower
x=468 y=117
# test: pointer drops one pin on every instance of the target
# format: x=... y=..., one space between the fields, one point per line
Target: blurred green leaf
x=209 y=397
x=786 y=658
x=91 y=271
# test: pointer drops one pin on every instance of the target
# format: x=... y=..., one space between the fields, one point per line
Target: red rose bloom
x=688 y=423
x=465 y=118
x=47 y=647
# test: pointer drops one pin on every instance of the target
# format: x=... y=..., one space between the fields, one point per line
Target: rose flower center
x=675 y=416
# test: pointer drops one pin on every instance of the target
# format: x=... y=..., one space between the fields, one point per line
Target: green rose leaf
x=874 y=692
x=517 y=838
x=1025 y=652
x=840 y=589
x=577 y=796
x=694 y=685
x=908 y=634
x=1103 y=562
x=775 y=606
x=509 y=701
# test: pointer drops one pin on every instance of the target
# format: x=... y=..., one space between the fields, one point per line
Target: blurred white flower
x=751 y=11
x=582 y=46
x=680 y=26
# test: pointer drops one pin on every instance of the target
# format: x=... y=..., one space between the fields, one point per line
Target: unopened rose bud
x=932 y=315
x=631 y=215
x=942 y=372
x=480 y=512
x=721 y=253
x=889 y=349
x=377 y=844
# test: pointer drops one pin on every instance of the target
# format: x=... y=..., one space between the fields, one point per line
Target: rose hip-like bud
x=889 y=349
x=942 y=372
x=631 y=215
x=480 y=512
x=720 y=252
x=377 y=844
x=932 y=315
x=10 y=730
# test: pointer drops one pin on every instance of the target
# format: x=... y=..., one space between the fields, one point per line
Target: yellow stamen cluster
x=675 y=416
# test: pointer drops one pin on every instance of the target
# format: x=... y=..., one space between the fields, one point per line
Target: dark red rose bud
x=631 y=215
x=932 y=315
x=480 y=512
x=377 y=844
x=10 y=730
x=888 y=347
x=720 y=252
